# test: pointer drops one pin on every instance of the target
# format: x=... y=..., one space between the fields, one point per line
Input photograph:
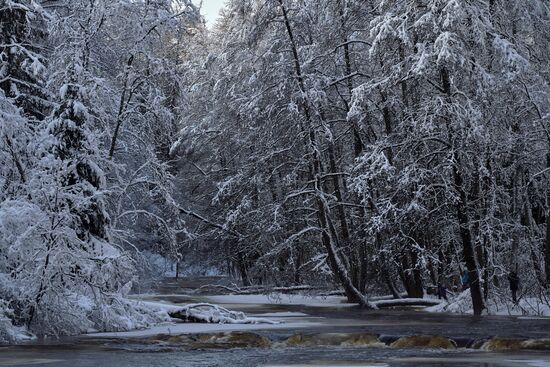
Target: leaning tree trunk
x=329 y=236
x=547 y=251
x=330 y=242
x=547 y=242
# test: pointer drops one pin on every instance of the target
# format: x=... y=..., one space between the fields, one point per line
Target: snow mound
x=462 y=304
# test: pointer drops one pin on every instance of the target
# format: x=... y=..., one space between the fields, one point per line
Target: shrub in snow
x=9 y=333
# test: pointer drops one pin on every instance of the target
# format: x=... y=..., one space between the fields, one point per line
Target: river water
x=69 y=356
x=130 y=351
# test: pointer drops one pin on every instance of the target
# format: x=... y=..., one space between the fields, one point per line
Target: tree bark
x=344 y=229
x=330 y=241
x=547 y=242
x=467 y=243
x=462 y=215
x=121 y=107
x=357 y=141
x=329 y=236
x=16 y=160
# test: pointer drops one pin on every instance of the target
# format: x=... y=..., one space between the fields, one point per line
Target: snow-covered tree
x=22 y=59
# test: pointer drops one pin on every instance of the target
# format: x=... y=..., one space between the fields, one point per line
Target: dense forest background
x=377 y=146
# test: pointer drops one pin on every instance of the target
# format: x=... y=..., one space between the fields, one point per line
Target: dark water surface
x=74 y=357
x=388 y=324
x=396 y=322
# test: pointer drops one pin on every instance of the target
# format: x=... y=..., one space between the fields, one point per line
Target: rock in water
x=234 y=340
x=536 y=344
x=502 y=344
x=224 y=340
x=424 y=341
x=332 y=339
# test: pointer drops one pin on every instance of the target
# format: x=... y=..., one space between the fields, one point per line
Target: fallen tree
x=401 y=302
x=214 y=314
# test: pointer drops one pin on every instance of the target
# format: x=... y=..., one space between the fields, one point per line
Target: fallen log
x=388 y=297
x=214 y=314
x=403 y=302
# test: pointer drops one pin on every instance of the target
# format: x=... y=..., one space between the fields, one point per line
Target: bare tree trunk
x=41 y=289
x=410 y=276
x=241 y=266
x=467 y=243
x=121 y=107
x=389 y=282
x=462 y=215
x=16 y=160
x=329 y=236
x=357 y=141
x=344 y=229
x=330 y=241
x=418 y=290
x=547 y=242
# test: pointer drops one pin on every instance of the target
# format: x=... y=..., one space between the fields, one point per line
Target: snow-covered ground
x=526 y=307
x=266 y=321
x=189 y=328
x=288 y=319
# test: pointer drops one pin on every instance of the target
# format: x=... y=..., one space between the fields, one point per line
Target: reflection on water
x=330 y=364
x=477 y=360
x=534 y=363
x=254 y=357
x=314 y=348
x=26 y=361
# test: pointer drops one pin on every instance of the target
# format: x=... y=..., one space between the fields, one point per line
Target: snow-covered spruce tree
x=22 y=93
x=61 y=254
x=77 y=277
x=132 y=53
x=14 y=130
x=15 y=133
x=65 y=274
x=22 y=104
x=22 y=40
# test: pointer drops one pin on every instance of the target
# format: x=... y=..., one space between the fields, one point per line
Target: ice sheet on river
x=279 y=321
x=188 y=328
x=282 y=299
